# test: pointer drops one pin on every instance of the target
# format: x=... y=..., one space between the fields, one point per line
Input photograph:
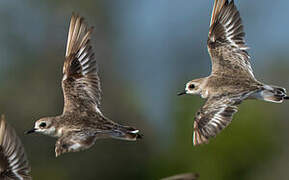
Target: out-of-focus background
x=146 y=52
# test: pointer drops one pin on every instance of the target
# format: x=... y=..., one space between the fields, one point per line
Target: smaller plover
x=13 y=161
x=231 y=80
x=81 y=122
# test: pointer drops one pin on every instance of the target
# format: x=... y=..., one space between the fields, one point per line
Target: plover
x=231 y=80
x=13 y=161
x=81 y=122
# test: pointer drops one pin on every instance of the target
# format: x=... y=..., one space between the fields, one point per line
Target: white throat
x=50 y=131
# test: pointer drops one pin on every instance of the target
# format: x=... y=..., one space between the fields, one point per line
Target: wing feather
x=13 y=161
x=213 y=117
x=80 y=83
x=226 y=41
x=217 y=7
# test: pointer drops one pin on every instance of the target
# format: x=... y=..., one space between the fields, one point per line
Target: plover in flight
x=81 y=122
x=13 y=161
x=231 y=80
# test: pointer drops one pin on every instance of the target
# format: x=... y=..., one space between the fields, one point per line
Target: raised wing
x=13 y=161
x=226 y=43
x=213 y=117
x=80 y=83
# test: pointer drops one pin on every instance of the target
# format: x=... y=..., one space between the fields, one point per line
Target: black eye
x=42 y=125
x=191 y=86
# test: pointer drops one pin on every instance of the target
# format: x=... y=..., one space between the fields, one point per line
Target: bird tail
x=126 y=133
x=273 y=94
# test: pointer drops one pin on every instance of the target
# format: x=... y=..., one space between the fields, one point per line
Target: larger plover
x=231 y=80
x=13 y=161
x=81 y=122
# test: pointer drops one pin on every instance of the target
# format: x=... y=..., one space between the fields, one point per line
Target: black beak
x=30 y=131
x=182 y=93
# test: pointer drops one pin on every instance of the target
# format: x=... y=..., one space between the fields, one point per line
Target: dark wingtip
x=286 y=97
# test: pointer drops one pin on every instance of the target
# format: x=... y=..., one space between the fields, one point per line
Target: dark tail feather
x=274 y=94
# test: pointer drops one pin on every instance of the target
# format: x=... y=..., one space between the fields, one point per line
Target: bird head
x=44 y=126
x=193 y=87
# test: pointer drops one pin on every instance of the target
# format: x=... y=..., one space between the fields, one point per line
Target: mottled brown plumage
x=81 y=122
x=13 y=162
x=231 y=80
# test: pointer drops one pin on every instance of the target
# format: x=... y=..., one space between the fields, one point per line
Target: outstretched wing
x=13 y=161
x=226 y=43
x=213 y=117
x=80 y=83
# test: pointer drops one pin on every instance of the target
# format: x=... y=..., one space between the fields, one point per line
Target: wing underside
x=226 y=40
x=213 y=117
x=81 y=83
